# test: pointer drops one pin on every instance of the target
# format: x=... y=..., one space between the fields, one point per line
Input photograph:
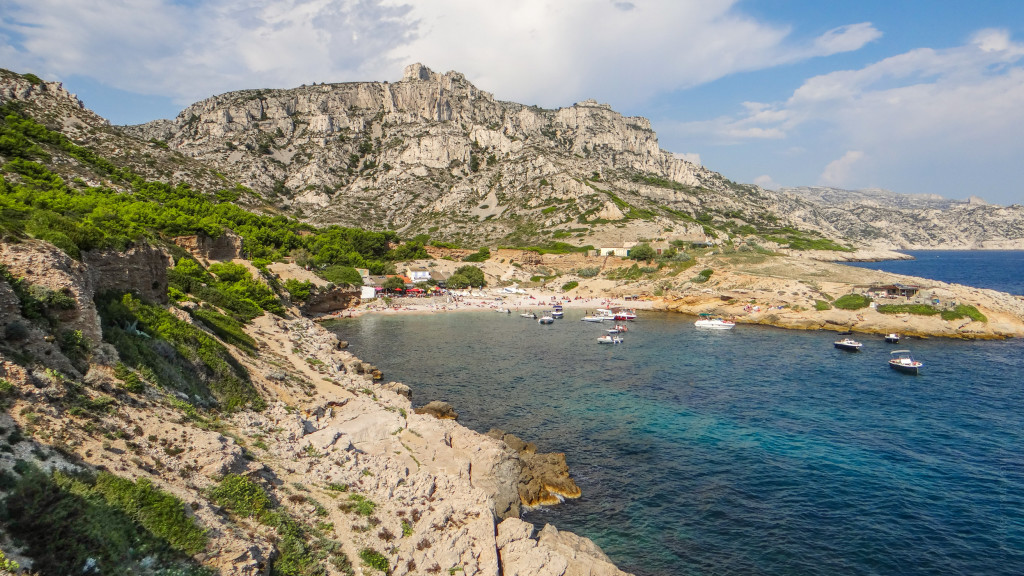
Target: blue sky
x=912 y=96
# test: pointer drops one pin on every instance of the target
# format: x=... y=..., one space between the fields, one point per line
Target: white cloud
x=766 y=181
x=839 y=171
x=928 y=112
x=532 y=51
x=193 y=50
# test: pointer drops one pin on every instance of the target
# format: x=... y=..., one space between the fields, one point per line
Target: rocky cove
x=433 y=496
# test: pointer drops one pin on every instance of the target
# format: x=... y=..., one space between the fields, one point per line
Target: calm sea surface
x=750 y=451
x=1001 y=270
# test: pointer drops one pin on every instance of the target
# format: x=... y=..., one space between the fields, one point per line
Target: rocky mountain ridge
x=432 y=154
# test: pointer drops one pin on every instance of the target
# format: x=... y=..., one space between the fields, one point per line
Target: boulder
x=438 y=409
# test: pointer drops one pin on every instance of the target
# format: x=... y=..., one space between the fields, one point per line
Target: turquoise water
x=1001 y=270
x=751 y=451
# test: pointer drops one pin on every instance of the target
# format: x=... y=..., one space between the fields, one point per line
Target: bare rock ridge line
x=433 y=154
x=433 y=147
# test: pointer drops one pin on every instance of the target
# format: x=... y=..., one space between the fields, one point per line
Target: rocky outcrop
x=438 y=409
x=329 y=300
x=225 y=247
x=44 y=267
x=142 y=269
x=544 y=478
x=523 y=552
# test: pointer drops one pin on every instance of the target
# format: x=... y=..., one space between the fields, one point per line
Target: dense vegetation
x=36 y=202
x=196 y=363
x=102 y=524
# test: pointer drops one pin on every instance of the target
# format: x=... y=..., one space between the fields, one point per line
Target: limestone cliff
x=433 y=154
x=429 y=149
x=915 y=222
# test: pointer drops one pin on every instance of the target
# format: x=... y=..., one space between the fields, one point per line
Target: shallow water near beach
x=751 y=451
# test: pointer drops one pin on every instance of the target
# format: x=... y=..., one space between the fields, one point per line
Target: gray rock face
x=421 y=150
x=885 y=219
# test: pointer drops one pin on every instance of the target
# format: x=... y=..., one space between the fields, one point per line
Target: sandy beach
x=486 y=300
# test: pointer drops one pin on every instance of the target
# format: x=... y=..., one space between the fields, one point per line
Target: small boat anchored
x=706 y=321
x=848 y=344
x=546 y=319
x=557 y=312
x=529 y=315
x=892 y=338
x=611 y=337
x=902 y=360
x=623 y=314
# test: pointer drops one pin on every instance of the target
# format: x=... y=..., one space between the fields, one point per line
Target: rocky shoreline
x=337 y=447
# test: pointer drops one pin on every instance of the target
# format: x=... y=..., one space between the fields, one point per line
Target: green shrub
x=227 y=329
x=104 y=517
x=588 y=272
x=241 y=496
x=569 y=285
x=852 y=302
x=481 y=255
x=642 y=252
x=915 y=309
x=359 y=504
x=821 y=305
x=703 y=276
x=299 y=291
x=341 y=275
x=962 y=311
x=374 y=560
x=631 y=273
x=469 y=276
x=161 y=513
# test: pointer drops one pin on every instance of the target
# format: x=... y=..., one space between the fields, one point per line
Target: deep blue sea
x=751 y=451
x=1001 y=270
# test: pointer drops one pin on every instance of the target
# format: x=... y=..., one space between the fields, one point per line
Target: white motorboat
x=624 y=314
x=848 y=344
x=596 y=318
x=707 y=321
x=902 y=360
x=546 y=319
x=892 y=338
x=529 y=315
x=610 y=338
